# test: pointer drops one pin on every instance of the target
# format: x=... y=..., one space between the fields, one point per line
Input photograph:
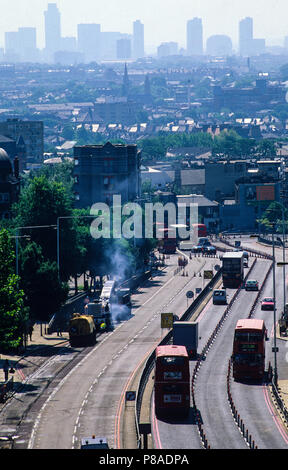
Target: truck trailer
x=82 y=331
x=185 y=333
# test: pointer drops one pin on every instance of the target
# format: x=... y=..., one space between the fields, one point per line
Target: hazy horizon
x=164 y=20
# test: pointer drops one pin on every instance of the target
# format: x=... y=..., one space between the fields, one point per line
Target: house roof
x=202 y=201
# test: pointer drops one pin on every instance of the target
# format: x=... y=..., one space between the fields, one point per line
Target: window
x=171 y=360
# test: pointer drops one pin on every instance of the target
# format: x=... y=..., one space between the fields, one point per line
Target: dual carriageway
x=89 y=397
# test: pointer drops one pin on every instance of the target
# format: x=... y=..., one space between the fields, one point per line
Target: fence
x=6 y=389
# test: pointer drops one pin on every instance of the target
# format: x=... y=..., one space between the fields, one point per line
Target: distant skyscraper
x=52 y=30
x=21 y=45
x=11 y=42
x=124 y=48
x=138 y=40
x=194 y=37
x=167 y=48
x=27 y=42
x=219 y=45
x=246 y=36
x=89 y=41
x=109 y=44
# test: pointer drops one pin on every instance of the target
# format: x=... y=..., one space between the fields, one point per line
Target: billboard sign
x=265 y=193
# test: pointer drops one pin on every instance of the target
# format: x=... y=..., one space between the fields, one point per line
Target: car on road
x=245 y=262
x=267 y=303
x=203 y=241
x=219 y=297
x=251 y=284
x=210 y=250
x=94 y=443
x=197 y=249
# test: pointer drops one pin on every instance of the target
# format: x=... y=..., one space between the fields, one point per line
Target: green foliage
x=39 y=286
x=230 y=145
x=41 y=202
x=13 y=314
x=60 y=173
x=155 y=148
x=266 y=148
x=273 y=216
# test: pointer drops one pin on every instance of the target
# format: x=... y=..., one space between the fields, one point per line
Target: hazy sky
x=164 y=20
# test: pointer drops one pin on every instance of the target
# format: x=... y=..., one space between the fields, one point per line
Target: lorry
x=185 y=333
x=101 y=313
x=82 y=330
x=232 y=269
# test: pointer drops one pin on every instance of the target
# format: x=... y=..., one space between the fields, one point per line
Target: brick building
x=102 y=171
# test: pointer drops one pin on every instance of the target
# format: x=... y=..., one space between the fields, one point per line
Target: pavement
x=39 y=348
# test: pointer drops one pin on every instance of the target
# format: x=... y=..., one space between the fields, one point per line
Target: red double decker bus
x=249 y=349
x=172 y=381
x=168 y=243
x=200 y=230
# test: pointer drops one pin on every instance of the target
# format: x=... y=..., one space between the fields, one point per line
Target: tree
x=274 y=216
x=40 y=204
x=13 y=314
x=45 y=201
x=266 y=148
x=39 y=279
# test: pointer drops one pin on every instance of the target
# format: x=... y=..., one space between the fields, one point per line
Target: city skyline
x=162 y=26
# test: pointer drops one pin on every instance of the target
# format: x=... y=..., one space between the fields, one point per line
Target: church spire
x=125 y=85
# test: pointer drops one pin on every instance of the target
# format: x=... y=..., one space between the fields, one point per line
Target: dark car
x=267 y=303
x=251 y=285
x=197 y=249
x=211 y=250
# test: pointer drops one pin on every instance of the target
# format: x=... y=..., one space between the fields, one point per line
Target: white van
x=219 y=296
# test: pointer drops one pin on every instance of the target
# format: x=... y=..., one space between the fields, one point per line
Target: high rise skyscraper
x=246 y=36
x=89 y=41
x=138 y=40
x=52 y=30
x=28 y=46
x=219 y=45
x=123 y=46
x=21 y=45
x=11 y=42
x=194 y=37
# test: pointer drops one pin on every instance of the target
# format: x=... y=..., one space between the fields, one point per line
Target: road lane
x=211 y=396
x=86 y=401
